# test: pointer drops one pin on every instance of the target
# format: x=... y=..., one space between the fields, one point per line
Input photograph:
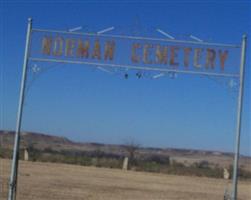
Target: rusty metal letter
x=46 y=45
x=187 y=51
x=96 y=51
x=146 y=53
x=197 y=57
x=135 y=58
x=223 y=57
x=109 y=49
x=83 y=48
x=58 y=46
x=210 y=60
x=161 y=54
x=70 y=44
x=173 y=55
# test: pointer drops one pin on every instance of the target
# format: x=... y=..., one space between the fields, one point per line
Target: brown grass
x=47 y=181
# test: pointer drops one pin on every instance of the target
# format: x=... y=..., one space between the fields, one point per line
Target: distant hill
x=42 y=141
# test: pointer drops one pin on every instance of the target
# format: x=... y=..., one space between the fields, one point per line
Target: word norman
x=144 y=53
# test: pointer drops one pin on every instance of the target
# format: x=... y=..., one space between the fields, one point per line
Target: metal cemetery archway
x=146 y=54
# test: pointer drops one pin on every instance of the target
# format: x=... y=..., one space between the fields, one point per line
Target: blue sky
x=86 y=104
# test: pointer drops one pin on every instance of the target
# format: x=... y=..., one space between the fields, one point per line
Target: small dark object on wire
x=138 y=74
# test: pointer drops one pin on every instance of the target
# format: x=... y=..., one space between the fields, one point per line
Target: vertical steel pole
x=14 y=167
x=239 y=118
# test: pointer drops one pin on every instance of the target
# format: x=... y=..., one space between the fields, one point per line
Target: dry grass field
x=48 y=181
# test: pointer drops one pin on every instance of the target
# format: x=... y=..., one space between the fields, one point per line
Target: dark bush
x=163 y=160
x=202 y=164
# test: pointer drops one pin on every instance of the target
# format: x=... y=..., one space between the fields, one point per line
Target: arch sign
x=132 y=52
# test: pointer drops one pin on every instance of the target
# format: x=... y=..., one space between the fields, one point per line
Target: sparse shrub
x=5 y=153
x=1 y=153
x=163 y=160
x=242 y=173
x=151 y=167
x=177 y=164
x=202 y=164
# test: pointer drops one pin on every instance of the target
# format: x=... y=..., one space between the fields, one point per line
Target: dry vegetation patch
x=51 y=181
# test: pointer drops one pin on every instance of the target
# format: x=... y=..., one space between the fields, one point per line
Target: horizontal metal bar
x=133 y=67
x=141 y=38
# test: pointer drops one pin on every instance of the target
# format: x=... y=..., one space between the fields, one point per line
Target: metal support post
x=239 y=118
x=14 y=167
